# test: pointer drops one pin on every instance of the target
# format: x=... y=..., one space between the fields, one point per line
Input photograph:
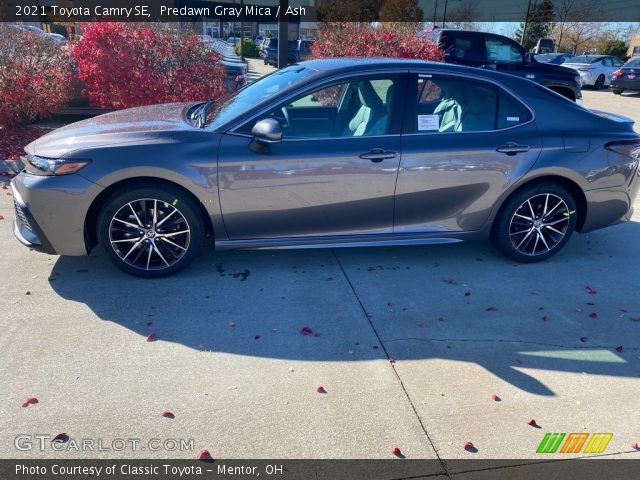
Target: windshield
x=634 y=62
x=547 y=57
x=585 y=59
x=245 y=98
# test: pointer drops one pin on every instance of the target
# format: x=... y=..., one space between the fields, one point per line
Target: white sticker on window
x=513 y=119
x=428 y=122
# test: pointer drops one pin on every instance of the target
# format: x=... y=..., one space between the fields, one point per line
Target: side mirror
x=267 y=131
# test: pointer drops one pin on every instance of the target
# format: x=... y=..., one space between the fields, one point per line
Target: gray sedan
x=331 y=153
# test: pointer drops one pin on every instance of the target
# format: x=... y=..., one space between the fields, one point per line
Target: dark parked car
x=488 y=50
x=297 y=51
x=331 y=153
x=555 y=58
x=626 y=78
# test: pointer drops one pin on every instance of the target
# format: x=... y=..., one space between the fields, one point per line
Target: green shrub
x=249 y=49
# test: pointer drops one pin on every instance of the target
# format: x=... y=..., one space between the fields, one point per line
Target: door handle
x=378 y=154
x=512 y=148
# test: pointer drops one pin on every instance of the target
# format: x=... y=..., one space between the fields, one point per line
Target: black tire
x=599 y=83
x=617 y=92
x=179 y=236
x=510 y=227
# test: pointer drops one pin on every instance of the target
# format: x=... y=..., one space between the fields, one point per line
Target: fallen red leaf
x=60 y=437
x=583 y=339
x=593 y=315
x=306 y=331
x=1 y=217
x=321 y=389
x=397 y=452
x=392 y=361
x=635 y=446
x=532 y=422
x=619 y=348
x=469 y=446
x=204 y=455
x=29 y=401
x=168 y=414
x=496 y=398
x=152 y=337
x=590 y=290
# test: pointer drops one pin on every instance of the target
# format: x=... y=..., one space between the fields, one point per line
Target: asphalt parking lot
x=409 y=343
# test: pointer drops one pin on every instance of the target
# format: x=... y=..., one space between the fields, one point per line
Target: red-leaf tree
x=360 y=40
x=35 y=76
x=126 y=65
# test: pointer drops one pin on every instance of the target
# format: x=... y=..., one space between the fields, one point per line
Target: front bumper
x=51 y=212
x=25 y=227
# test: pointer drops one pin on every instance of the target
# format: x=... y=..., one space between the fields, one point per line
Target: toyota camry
x=331 y=153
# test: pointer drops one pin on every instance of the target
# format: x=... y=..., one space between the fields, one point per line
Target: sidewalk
x=256 y=69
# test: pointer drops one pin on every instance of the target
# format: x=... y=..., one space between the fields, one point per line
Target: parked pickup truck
x=488 y=50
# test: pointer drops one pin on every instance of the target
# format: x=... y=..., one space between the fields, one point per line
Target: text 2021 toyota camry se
x=331 y=153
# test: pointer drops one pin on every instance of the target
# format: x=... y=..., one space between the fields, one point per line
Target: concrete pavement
x=410 y=343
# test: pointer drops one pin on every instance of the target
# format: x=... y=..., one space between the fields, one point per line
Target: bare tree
x=463 y=16
x=578 y=23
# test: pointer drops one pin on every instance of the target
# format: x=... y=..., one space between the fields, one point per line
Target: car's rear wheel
x=599 y=82
x=617 y=92
x=151 y=231
x=535 y=223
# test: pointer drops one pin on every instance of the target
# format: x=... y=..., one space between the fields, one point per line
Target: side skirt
x=289 y=243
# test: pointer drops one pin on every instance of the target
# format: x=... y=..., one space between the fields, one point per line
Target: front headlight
x=52 y=166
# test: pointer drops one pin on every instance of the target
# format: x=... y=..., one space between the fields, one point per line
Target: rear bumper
x=625 y=84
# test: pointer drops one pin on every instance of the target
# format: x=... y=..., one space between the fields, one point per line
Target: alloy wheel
x=539 y=224
x=149 y=234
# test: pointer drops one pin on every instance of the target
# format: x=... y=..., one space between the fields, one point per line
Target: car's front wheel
x=151 y=231
x=617 y=92
x=535 y=223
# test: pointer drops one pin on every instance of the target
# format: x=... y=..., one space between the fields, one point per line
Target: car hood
x=120 y=127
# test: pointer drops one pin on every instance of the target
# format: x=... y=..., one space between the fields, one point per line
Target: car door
x=333 y=172
x=605 y=67
x=465 y=141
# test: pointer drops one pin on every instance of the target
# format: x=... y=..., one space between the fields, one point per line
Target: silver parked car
x=594 y=70
x=332 y=153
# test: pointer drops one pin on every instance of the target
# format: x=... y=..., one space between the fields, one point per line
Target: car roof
x=363 y=64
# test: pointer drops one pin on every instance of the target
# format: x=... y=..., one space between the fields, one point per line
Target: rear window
x=585 y=59
x=634 y=62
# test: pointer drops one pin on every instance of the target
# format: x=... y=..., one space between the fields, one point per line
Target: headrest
x=368 y=96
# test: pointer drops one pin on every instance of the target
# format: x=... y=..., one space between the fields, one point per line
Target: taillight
x=585 y=69
x=628 y=148
x=617 y=74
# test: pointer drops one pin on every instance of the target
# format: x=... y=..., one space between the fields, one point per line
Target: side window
x=617 y=62
x=511 y=112
x=606 y=62
x=466 y=48
x=502 y=51
x=452 y=104
x=356 y=108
